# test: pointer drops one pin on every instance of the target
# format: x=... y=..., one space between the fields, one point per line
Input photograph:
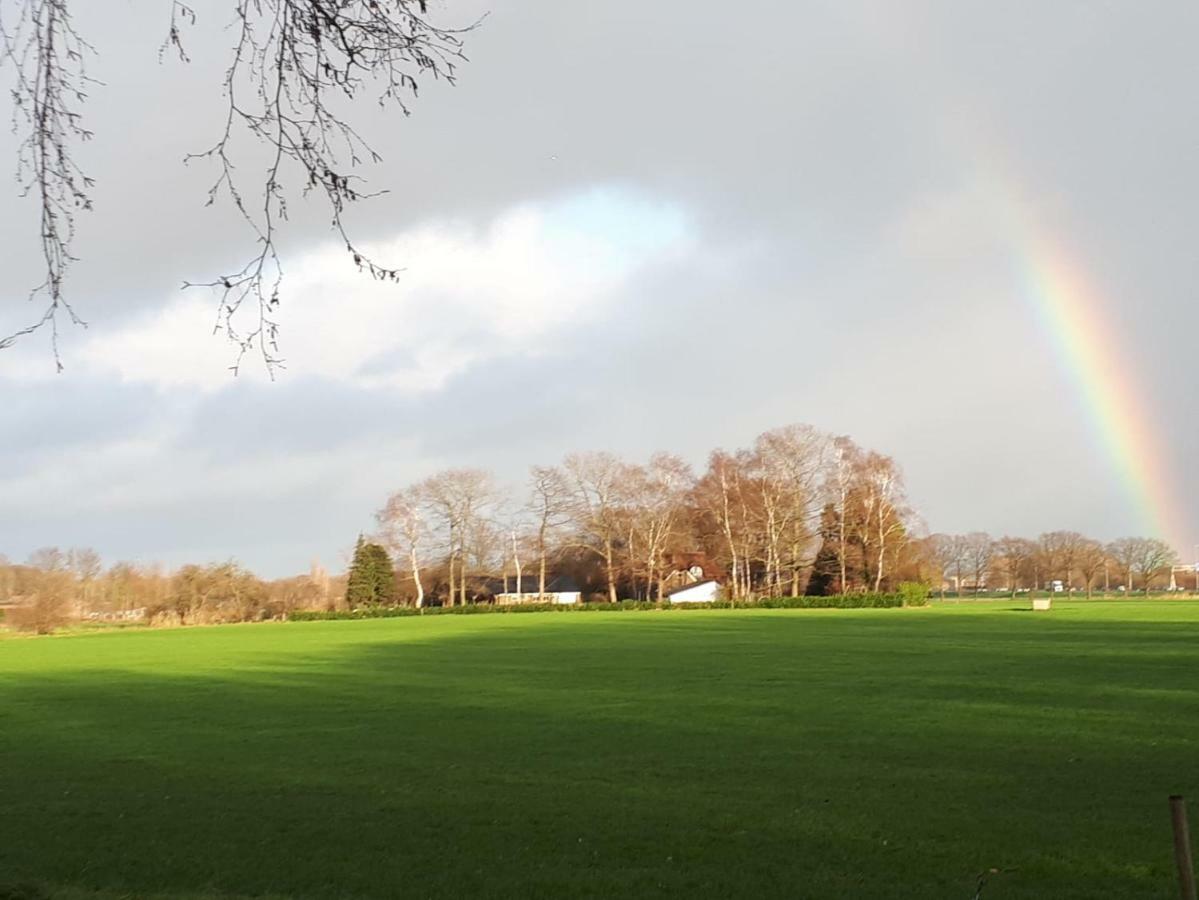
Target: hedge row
x=834 y=601
x=471 y=609
x=849 y=601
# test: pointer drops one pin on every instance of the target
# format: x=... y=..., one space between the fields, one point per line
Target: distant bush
x=848 y=601
x=832 y=601
x=471 y=609
x=914 y=593
x=42 y=615
x=362 y=612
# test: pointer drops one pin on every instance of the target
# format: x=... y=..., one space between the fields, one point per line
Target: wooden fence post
x=1182 y=848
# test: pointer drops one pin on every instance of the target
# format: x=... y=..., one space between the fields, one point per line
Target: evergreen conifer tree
x=360 y=582
x=827 y=565
x=372 y=576
x=383 y=574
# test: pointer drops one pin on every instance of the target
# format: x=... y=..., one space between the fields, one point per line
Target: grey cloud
x=801 y=139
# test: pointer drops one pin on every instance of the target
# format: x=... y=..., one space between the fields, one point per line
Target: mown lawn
x=873 y=753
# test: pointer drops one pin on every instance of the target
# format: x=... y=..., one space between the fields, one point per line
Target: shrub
x=832 y=601
x=42 y=615
x=362 y=612
x=848 y=601
x=914 y=593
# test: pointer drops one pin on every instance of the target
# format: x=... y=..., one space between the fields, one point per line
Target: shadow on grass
x=674 y=755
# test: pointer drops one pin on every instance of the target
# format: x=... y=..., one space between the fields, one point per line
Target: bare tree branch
x=51 y=84
x=292 y=61
x=296 y=65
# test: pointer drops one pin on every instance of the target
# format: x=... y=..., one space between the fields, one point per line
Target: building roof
x=688 y=587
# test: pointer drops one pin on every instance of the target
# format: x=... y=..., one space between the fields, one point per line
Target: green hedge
x=471 y=609
x=849 y=601
x=834 y=601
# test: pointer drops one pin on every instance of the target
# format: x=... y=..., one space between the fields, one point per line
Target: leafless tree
x=790 y=463
x=980 y=552
x=7 y=579
x=598 y=482
x=718 y=495
x=1125 y=552
x=1152 y=556
x=657 y=494
x=318 y=578
x=1049 y=558
x=882 y=508
x=48 y=559
x=486 y=541
x=460 y=500
x=1061 y=550
x=85 y=566
x=843 y=464
x=949 y=551
x=1015 y=555
x=296 y=65
x=550 y=506
x=1090 y=557
x=402 y=523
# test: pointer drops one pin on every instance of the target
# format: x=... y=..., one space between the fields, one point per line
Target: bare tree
x=295 y=66
x=7 y=579
x=460 y=501
x=486 y=542
x=844 y=463
x=85 y=566
x=1153 y=557
x=1049 y=558
x=980 y=552
x=718 y=494
x=1125 y=552
x=318 y=578
x=1090 y=558
x=550 y=505
x=402 y=523
x=1015 y=555
x=48 y=559
x=950 y=552
x=597 y=482
x=1063 y=549
x=881 y=508
x=790 y=463
x=657 y=494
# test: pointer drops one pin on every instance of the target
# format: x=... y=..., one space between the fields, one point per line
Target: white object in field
x=702 y=592
x=1042 y=603
x=564 y=598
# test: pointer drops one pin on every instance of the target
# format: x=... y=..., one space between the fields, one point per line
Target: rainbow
x=1068 y=307
x=1071 y=313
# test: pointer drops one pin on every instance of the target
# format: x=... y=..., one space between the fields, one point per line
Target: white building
x=700 y=592
x=558 y=589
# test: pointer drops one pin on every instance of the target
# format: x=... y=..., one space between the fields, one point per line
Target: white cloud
x=468 y=295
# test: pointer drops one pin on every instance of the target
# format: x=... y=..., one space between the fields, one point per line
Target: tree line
x=758 y=515
x=976 y=562
x=55 y=586
x=797 y=512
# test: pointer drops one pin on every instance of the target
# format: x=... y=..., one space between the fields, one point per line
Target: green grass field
x=873 y=753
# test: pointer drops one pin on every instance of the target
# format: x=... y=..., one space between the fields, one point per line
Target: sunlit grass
x=873 y=753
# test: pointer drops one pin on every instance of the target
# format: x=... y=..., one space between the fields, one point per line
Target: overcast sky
x=630 y=227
